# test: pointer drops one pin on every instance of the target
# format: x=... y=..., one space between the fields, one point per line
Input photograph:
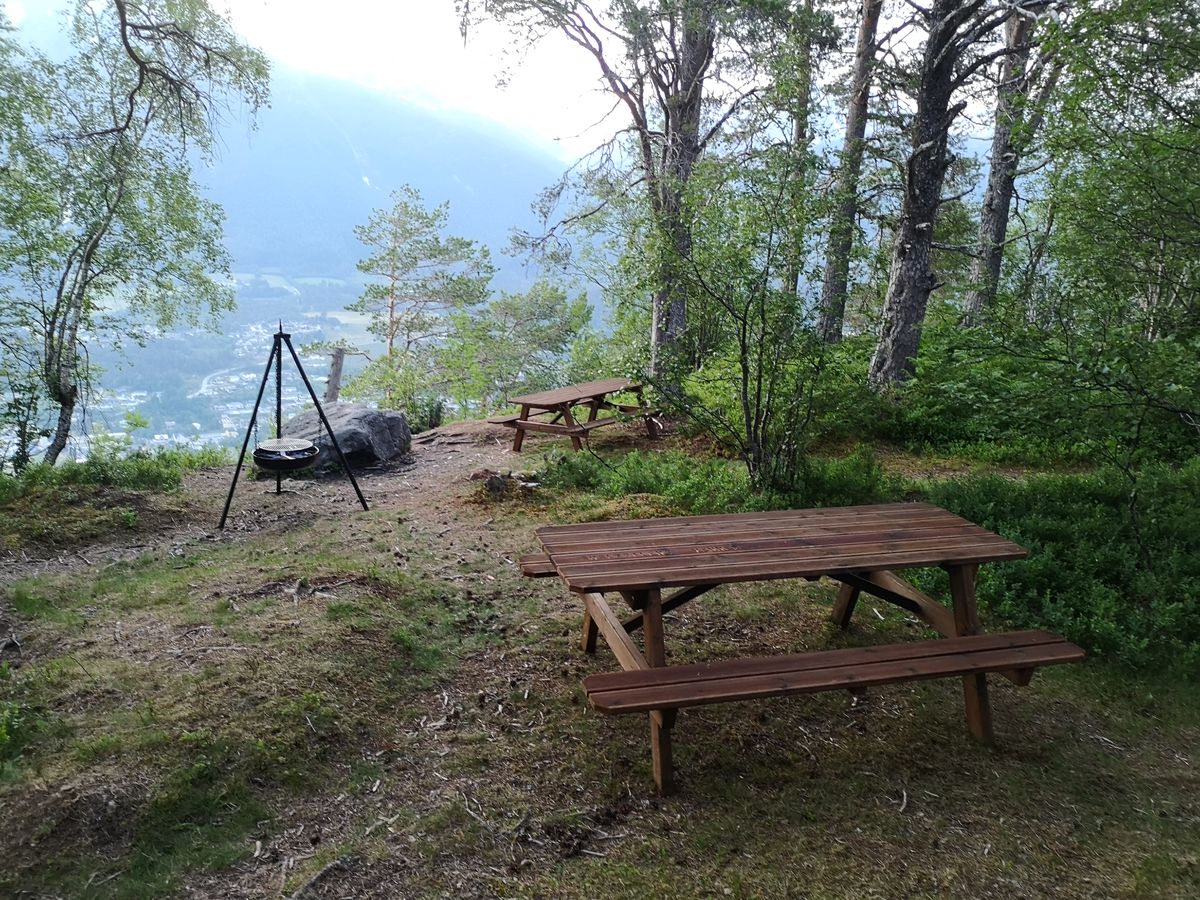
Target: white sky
x=413 y=49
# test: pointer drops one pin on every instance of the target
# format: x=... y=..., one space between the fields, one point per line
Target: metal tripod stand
x=276 y=359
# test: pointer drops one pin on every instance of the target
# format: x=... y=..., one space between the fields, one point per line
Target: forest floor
x=324 y=702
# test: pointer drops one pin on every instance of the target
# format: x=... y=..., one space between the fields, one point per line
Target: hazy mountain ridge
x=327 y=152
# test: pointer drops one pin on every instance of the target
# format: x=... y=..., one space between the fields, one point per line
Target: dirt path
x=438 y=467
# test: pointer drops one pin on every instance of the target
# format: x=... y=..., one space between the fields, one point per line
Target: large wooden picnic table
x=861 y=547
x=559 y=406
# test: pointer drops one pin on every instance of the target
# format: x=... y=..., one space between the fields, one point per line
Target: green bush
x=849 y=481
x=162 y=470
x=1112 y=565
x=691 y=485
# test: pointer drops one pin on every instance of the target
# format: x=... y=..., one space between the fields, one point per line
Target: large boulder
x=366 y=435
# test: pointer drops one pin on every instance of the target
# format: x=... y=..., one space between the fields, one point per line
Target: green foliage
x=19 y=722
x=162 y=470
x=421 y=277
x=515 y=344
x=102 y=228
x=691 y=485
x=1113 y=565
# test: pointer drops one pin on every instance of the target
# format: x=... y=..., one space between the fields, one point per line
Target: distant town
x=197 y=389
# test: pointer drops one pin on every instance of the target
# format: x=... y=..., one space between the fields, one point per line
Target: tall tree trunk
x=997 y=197
x=667 y=183
x=62 y=363
x=912 y=278
x=333 y=384
x=801 y=113
x=841 y=226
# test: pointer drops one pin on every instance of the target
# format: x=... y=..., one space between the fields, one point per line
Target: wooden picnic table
x=552 y=411
x=861 y=547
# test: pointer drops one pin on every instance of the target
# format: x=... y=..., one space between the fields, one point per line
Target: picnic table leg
x=843 y=608
x=571 y=423
x=590 y=632
x=662 y=722
x=966 y=622
x=519 y=437
x=652 y=429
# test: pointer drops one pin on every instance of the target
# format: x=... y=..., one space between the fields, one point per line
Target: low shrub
x=1113 y=565
x=688 y=484
x=161 y=470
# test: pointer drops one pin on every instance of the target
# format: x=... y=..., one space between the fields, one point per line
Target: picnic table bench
x=861 y=547
x=552 y=411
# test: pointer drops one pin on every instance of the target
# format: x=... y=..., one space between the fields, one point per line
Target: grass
x=386 y=690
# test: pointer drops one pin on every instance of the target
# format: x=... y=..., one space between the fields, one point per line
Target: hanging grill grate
x=286 y=454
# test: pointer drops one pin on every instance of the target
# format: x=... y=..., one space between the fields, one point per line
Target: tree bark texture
x=333 y=385
x=801 y=113
x=997 y=197
x=841 y=226
x=667 y=175
x=912 y=278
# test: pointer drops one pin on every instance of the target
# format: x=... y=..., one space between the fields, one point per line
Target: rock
x=366 y=435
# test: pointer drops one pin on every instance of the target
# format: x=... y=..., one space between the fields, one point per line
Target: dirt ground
x=495 y=779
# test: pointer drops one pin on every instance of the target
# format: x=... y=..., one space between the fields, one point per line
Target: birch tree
x=101 y=215
x=1022 y=92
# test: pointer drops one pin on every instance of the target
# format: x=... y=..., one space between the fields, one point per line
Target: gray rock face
x=365 y=435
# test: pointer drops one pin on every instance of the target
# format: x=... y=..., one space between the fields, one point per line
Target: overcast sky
x=412 y=48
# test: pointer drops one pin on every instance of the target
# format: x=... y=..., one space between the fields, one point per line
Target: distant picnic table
x=554 y=411
x=861 y=547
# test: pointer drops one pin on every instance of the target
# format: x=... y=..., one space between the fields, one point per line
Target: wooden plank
x=588 y=639
x=595 y=423
x=537 y=565
x=734 y=550
x=656 y=572
x=576 y=393
x=546 y=427
x=843 y=608
x=849 y=657
x=767 y=538
x=676 y=600
x=893 y=589
x=897 y=513
x=622 y=646
x=966 y=622
x=733 y=547
x=812 y=680
x=519 y=433
x=661 y=720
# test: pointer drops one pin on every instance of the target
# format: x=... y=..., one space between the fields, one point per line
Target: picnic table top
x=575 y=392
x=641 y=554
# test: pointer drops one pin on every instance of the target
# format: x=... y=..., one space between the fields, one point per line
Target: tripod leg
x=278 y=401
x=249 y=428
x=325 y=422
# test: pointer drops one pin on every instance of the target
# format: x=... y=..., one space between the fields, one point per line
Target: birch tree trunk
x=997 y=197
x=841 y=226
